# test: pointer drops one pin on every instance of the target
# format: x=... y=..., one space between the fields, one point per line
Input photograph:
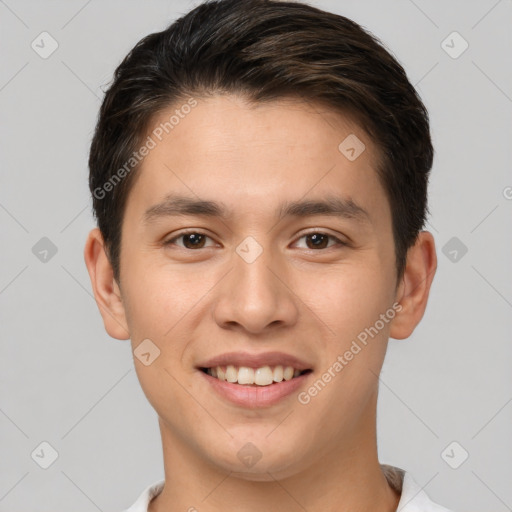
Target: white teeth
x=245 y=375
x=288 y=373
x=231 y=373
x=263 y=376
x=278 y=373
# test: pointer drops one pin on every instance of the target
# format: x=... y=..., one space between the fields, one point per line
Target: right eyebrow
x=176 y=205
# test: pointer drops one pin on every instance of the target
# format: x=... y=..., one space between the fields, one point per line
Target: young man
x=259 y=174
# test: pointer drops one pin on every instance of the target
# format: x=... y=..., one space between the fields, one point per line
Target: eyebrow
x=177 y=205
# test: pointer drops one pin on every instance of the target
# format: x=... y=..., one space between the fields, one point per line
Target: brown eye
x=191 y=240
x=319 y=240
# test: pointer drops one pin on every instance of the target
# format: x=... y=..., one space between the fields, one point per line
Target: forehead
x=257 y=155
x=232 y=123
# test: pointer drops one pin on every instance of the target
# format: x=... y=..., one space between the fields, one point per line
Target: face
x=276 y=272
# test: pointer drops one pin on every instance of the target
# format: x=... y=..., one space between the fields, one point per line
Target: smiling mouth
x=263 y=376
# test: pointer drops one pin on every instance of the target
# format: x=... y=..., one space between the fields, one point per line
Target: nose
x=256 y=296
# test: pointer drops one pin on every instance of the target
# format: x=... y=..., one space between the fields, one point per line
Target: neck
x=348 y=478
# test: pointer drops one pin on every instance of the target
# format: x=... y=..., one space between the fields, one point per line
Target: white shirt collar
x=413 y=497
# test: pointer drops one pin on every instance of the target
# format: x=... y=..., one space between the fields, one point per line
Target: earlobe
x=414 y=289
x=106 y=291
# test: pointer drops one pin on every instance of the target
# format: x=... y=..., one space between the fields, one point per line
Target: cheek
x=151 y=287
x=350 y=297
x=350 y=302
x=162 y=300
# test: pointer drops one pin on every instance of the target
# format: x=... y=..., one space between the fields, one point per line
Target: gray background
x=66 y=382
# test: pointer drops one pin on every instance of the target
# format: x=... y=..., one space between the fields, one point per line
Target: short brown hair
x=265 y=50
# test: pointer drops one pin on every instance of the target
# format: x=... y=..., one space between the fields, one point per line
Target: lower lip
x=253 y=397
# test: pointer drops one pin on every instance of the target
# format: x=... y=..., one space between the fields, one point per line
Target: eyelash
x=196 y=232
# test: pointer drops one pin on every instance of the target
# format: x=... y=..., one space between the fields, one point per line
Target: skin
x=311 y=302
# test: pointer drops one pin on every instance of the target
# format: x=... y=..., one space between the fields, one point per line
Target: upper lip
x=255 y=360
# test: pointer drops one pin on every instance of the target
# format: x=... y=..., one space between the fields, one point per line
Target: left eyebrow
x=331 y=205
x=178 y=205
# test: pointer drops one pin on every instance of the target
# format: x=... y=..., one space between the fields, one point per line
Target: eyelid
x=322 y=231
x=311 y=231
x=171 y=241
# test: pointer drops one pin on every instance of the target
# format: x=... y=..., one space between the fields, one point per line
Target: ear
x=106 y=289
x=412 y=294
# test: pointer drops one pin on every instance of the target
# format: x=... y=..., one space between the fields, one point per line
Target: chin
x=258 y=462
